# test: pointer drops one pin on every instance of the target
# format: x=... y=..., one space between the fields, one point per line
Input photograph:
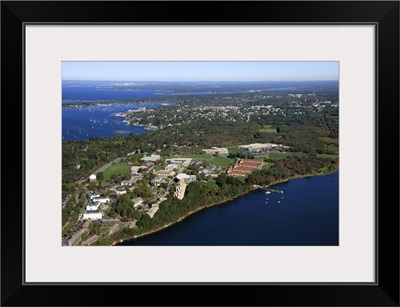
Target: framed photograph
x=248 y=147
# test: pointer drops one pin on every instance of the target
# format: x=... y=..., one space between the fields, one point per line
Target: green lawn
x=267 y=166
x=234 y=149
x=198 y=157
x=267 y=129
x=116 y=169
x=221 y=161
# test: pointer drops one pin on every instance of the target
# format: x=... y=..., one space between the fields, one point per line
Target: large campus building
x=216 y=150
x=243 y=167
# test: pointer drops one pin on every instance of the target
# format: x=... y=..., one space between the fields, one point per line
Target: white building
x=120 y=192
x=180 y=190
x=137 y=202
x=260 y=146
x=101 y=199
x=171 y=167
x=157 y=181
x=214 y=150
x=164 y=173
x=92 y=178
x=186 y=178
x=93 y=195
x=93 y=215
x=185 y=162
x=93 y=206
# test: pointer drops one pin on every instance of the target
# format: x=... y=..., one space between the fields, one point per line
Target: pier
x=274 y=191
x=269 y=190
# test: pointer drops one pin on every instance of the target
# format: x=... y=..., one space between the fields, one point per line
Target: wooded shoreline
x=220 y=203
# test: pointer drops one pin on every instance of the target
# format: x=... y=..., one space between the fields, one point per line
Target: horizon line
x=104 y=80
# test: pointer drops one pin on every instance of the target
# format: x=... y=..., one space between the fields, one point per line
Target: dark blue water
x=307 y=213
x=98 y=121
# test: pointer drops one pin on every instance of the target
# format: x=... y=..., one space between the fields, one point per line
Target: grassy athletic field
x=267 y=129
x=221 y=161
x=234 y=149
x=267 y=166
x=116 y=169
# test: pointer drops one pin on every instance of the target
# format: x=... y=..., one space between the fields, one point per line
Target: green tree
x=100 y=176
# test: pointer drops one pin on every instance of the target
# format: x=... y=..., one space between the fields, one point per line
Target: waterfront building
x=180 y=190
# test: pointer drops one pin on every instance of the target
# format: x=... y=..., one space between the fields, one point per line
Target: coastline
x=220 y=203
x=183 y=217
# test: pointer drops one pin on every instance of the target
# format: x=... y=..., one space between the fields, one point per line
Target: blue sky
x=200 y=71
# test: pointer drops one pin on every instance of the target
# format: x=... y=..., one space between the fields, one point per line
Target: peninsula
x=198 y=151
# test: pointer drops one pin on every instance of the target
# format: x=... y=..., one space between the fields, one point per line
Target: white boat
x=268 y=192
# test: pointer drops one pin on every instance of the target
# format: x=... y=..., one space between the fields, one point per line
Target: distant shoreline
x=220 y=203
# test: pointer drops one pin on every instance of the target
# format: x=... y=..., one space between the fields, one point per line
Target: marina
x=102 y=120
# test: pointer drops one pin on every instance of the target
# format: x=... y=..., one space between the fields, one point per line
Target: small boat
x=268 y=192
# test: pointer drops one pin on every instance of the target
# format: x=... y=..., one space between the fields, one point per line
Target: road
x=101 y=169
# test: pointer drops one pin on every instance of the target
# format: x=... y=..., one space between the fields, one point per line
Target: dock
x=275 y=191
x=268 y=189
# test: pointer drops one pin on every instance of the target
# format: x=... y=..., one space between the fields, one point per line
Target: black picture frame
x=383 y=14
